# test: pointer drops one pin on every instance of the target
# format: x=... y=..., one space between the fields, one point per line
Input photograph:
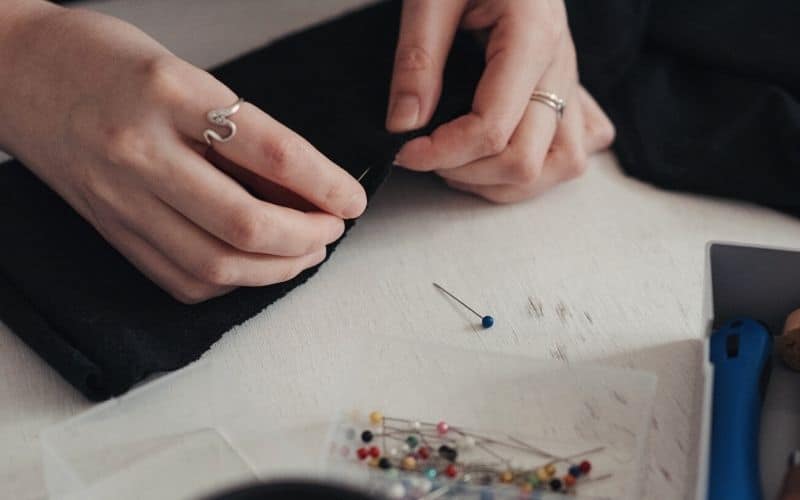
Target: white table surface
x=605 y=269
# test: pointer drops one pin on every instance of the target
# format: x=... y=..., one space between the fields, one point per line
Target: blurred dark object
x=293 y=490
x=787 y=344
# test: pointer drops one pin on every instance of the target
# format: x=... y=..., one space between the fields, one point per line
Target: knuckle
x=127 y=146
x=413 y=58
x=282 y=154
x=525 y=174
x=495 y=138
x=161 y=80
x=245 y=231
x=526 y=170
x=218 y=270
x=576 y=162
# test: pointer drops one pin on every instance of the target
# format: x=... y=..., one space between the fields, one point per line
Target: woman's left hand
x=508 y=147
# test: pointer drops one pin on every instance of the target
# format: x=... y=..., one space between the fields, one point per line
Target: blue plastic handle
x=740 y=352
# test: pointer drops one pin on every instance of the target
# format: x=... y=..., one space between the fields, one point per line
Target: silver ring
x=550 y=99
x=219 y=117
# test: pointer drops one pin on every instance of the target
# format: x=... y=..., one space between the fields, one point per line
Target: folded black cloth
x=94 y=317
x=704 y=96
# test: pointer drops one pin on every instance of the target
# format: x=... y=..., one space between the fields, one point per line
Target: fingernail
x=399 y=157
x=337 y=232
x=355 y=207
x=404 y=113
x=319 y=257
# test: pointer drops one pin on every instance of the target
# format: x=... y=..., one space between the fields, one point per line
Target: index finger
x=516 y=57
x=269 y=149
x=426 y=34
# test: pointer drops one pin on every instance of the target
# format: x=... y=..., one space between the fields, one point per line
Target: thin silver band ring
x=550 y=99
x=219 y=117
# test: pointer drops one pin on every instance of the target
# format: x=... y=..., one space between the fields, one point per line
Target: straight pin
x=364 y=174
x=556 y=458
x=486 y=321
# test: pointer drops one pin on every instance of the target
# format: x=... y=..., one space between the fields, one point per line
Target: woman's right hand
x=114 y=123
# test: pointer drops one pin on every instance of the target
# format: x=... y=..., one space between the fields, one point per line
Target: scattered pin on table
x=486 y=321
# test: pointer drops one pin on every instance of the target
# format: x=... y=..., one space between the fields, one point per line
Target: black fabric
x=704 y=96
x=93 y=316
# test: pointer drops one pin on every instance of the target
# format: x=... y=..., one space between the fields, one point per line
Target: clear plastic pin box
x=199 y=430
x=412 y=460
x=562 y=410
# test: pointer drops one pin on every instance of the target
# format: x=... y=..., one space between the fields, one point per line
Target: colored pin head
x=438 y=452
x=486 y=321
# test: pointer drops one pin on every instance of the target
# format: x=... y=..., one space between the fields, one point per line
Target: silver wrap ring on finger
x=221 y=118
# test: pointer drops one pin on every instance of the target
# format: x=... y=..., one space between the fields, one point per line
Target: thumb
x=427 y=29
